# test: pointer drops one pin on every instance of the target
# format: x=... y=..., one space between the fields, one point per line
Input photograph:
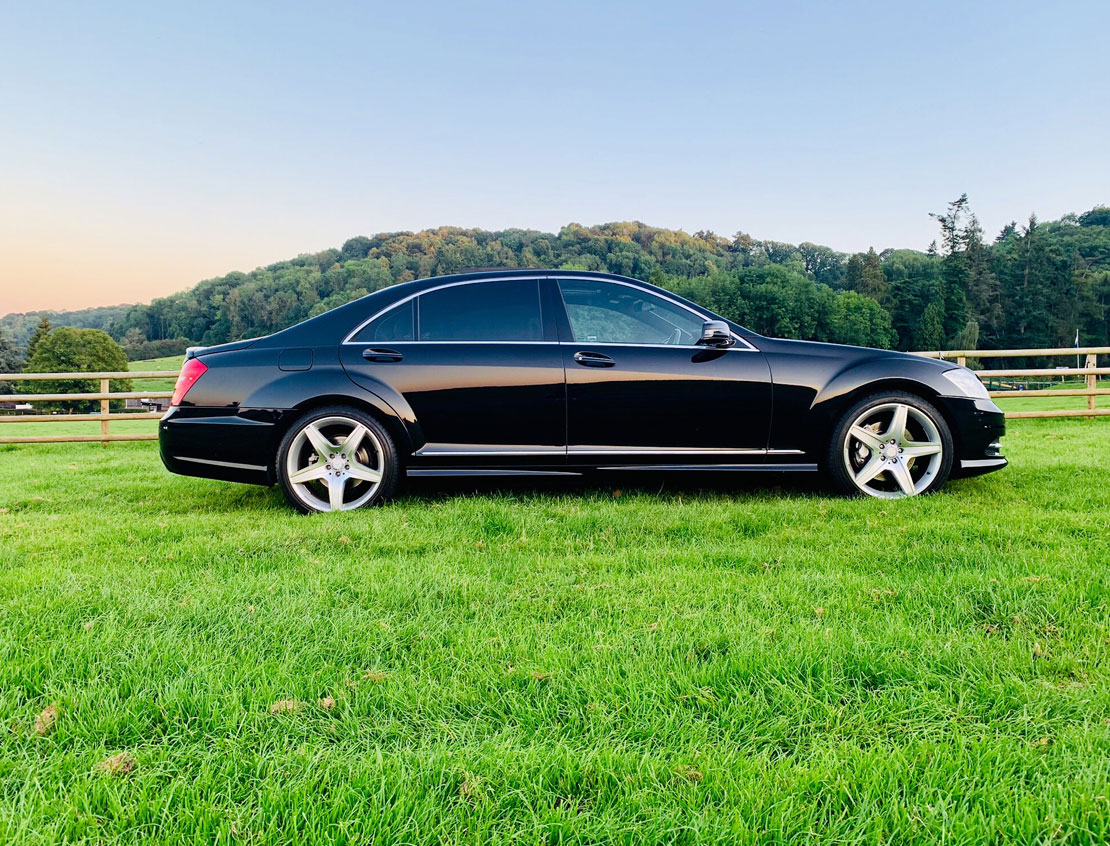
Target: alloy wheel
x=893 y=450
x=335 y=464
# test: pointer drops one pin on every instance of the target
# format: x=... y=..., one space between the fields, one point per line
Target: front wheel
x=336 y=459
x=891 y=445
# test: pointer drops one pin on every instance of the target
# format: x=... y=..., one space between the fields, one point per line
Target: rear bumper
x=978 y=430
x=232 y=445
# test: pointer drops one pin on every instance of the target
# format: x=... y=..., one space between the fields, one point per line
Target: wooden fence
x=1090 y=371
x=104 y=395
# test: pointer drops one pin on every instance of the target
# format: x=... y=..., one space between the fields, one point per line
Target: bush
x=66 y=350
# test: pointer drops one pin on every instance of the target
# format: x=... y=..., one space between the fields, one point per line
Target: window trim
x=556 y=277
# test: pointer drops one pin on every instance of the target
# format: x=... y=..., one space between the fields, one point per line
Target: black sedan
x=562 y=372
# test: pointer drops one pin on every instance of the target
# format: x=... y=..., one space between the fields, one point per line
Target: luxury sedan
x=533 y=372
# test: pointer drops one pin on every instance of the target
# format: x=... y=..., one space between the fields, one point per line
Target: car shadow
x=656 y=483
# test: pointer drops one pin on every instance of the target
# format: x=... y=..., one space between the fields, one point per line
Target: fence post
x=1092 y=380
x=961 y=360
x=104 y=408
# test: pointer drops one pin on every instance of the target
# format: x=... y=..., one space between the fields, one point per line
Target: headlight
x=967 y=382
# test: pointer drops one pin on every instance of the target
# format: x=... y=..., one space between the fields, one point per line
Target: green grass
x=170 y=362
x=754 y=662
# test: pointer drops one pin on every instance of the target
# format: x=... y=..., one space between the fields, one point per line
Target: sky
x=146 y=146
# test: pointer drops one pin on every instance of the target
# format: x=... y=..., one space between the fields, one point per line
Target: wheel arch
x=383 y=414
x=830 y=405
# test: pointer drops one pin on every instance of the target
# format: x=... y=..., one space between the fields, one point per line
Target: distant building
x=160 y=404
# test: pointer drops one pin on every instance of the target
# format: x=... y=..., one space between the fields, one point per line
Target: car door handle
x=381 y=355
x=593 y=359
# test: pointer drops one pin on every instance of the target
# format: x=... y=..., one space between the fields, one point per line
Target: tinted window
x=604 y=312
x=394 y=325
x=484 y=311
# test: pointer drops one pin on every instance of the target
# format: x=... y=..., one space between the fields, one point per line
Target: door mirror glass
x=715 y=333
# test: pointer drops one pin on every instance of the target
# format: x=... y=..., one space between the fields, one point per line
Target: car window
x=605 y=312
x=506 y=310
x=395 y=325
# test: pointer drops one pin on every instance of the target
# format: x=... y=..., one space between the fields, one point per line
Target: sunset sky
x=147 y=146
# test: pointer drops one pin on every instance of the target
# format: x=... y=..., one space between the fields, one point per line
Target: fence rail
x=1089 y=372
x=104 y=395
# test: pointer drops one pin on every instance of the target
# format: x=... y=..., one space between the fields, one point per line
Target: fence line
x=1090 y=371
x=104 y=395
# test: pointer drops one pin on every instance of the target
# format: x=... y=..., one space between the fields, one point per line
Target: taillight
x=191 y=370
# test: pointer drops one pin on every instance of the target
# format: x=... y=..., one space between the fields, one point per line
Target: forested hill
x=1033 y=285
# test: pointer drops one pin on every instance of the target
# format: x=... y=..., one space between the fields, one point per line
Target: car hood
x=826 y=348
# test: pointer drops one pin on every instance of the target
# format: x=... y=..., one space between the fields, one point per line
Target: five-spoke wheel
x=891 y=446
x=336 y=459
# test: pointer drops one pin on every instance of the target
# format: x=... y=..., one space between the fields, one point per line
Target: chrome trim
x=662 y=451
x=975 y=463
x=761 y=468
x=432 y=343
x=479 y=451
x=702 y=347
x=432 y=451
x=748 y=347
x=465 y=471
x=232 y=464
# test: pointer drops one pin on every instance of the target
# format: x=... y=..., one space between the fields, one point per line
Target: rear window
x=395 y=325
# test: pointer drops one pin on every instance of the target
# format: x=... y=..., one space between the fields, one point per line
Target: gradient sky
x=146 y=146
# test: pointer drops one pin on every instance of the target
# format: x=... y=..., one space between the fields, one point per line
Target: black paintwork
x=452 y=407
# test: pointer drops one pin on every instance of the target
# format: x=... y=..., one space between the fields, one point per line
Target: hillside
x=1034 y=285
x=19 y=325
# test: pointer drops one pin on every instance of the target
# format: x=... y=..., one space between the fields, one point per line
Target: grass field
x=751 y=662
x=170 y=362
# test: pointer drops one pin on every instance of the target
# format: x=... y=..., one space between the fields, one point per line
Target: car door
x=480 y=366
x=640 y=390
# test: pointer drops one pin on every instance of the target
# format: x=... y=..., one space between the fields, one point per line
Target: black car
x=562 y=372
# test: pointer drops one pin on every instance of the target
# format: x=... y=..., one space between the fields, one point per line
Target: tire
x=318 y=474
x=862 y=460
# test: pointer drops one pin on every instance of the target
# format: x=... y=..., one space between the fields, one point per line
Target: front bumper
x=978 y=427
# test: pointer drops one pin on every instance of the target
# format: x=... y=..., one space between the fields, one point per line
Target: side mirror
x=715 y=333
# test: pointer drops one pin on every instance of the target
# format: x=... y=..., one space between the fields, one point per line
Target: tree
x=68 y=350
x=11 y=361
x=872 y=281
x=41 y=331
x=984 y=293
x=1098 y=216
x=930 y=332
x=860 y=320
x=953 y=266
x=853 y=273
x=967 y=338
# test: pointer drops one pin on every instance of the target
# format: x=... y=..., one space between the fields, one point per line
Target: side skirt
x=657 y=468
x=728 y=468
x=464 y=471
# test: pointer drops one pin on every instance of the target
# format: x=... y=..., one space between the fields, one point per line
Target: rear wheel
x=891 y=445
x=337 y=459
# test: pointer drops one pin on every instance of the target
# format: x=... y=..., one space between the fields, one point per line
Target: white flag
x=1077 y=338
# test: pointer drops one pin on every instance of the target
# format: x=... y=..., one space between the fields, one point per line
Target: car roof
x=340 y=320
